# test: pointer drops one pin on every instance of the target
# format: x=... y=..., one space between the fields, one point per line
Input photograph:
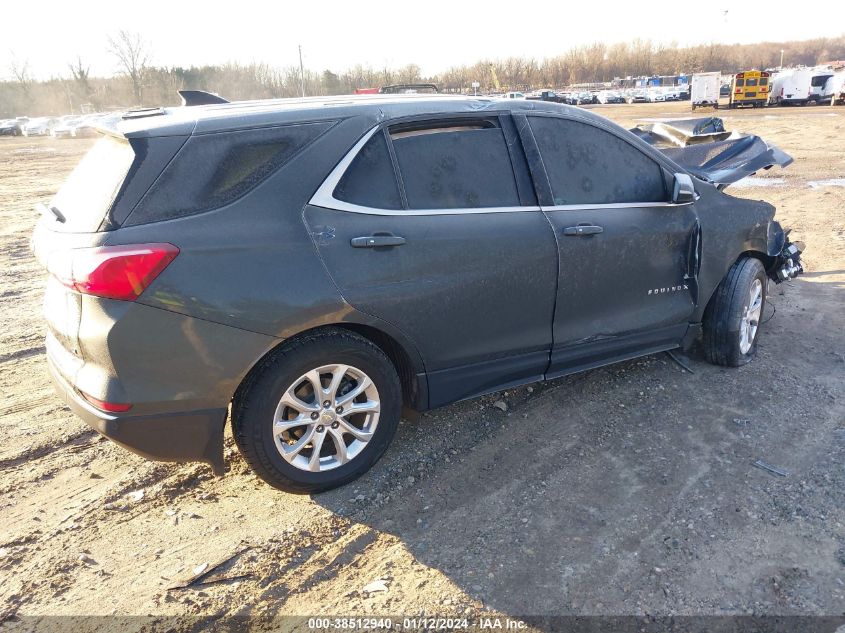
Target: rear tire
x=278 y=406
x=732 y=318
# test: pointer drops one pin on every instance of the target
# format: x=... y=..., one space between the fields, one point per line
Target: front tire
x=732 y=318
x=318 y=412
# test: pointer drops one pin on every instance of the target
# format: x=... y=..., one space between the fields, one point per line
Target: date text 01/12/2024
x=416 y=624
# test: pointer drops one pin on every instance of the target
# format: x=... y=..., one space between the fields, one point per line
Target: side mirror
x=684 y=190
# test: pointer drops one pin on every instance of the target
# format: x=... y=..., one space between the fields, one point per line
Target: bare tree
x=20 y=71
x=80 y=72
x=132 y=56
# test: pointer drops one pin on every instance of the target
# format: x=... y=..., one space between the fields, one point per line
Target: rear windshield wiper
x=49 y=210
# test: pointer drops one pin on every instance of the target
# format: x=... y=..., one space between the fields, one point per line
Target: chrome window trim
x=324 y=196
x=611 y=205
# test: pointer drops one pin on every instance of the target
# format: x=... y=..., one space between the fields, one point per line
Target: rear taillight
x=109 y=407
x=112 y=272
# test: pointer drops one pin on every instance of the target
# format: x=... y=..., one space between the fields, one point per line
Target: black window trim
x=324 y=196
x=541 y=179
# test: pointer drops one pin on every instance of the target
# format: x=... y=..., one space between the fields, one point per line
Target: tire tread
x=721 y=342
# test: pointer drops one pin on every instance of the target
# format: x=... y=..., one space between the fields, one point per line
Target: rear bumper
x=187 y=436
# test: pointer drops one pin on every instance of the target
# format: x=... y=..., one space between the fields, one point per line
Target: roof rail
x=139 y=113
x=200 y=97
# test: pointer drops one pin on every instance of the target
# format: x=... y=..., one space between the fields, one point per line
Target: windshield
x=87 y=194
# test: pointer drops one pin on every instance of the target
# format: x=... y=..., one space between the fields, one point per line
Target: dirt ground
x=624 y=490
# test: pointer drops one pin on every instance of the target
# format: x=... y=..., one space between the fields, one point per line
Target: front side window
x=588 y=165
x=460 y=166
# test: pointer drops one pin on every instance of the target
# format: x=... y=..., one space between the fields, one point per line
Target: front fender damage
x=785 y=254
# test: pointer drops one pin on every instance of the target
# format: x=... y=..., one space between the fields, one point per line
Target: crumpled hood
x=705 y=149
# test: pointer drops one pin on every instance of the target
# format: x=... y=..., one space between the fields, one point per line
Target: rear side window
x=87 y=194
x=455 y=167
x=213 y=170
x=587 y=165
x=370 y=180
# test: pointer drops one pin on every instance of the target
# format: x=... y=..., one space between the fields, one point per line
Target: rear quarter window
x=213 y=170
x=370 y=180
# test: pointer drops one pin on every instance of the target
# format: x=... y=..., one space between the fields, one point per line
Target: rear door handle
x=374 y=241
x=583 y=229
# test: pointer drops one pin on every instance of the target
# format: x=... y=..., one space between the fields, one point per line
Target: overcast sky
x=435 y=34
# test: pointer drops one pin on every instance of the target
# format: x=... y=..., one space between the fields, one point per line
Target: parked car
x=88 y=126
x=654 y=95
x=637 y=95
x=546 y=95
x=609 y=96
x=513 y=95
x=38 y=127
x=10 y=127
x=269 y=259
x=65 y=126
x=583 y=98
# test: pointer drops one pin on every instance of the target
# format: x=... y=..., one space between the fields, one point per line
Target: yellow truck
x=750 y=87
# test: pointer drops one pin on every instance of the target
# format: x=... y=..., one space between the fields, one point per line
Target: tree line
x=139 y=83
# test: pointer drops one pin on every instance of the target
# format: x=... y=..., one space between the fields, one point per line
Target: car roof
x=269 y=112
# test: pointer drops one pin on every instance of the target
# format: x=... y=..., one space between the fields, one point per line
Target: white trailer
x=704 y=89
x=801 y=86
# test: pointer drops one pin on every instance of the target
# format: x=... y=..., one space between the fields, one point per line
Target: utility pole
x=301 y=72
x=781 y=58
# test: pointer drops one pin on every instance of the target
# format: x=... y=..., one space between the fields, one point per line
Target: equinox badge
x=660 y=291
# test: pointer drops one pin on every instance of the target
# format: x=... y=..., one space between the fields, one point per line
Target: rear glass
x=87 y=194
x=740 y=83
x=213 y=170
x=751 y=82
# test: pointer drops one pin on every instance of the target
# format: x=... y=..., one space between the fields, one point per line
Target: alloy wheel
x=326 y=417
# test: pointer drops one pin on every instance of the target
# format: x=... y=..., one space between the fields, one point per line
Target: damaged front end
x=786 y=255
x=711 y=153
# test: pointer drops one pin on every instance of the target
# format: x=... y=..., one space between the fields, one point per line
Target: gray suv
x=318 y=265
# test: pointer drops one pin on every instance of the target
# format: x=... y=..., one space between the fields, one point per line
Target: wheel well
x=398 y=356
x=413 y=393
x=766 y=260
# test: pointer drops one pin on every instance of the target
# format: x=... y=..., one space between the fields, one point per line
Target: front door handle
x=374 y=241
x=583 y=229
